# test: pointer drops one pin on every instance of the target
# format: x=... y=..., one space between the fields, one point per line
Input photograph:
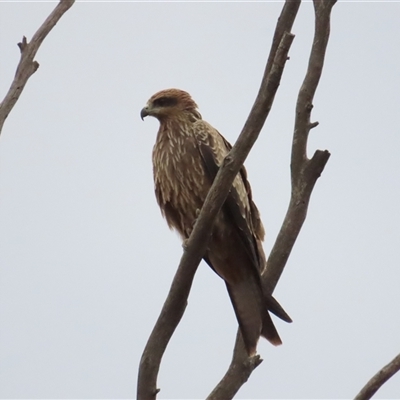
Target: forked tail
x=252 y=312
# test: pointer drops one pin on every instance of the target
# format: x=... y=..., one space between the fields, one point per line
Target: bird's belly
x=182 y=187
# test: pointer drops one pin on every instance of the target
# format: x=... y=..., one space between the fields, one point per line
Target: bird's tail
x=251 y=307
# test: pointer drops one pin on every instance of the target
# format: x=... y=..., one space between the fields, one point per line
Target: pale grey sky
x=86 y=259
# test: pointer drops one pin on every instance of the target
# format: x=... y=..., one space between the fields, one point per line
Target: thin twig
x=374 y=384
x=304 y=173
x=27 y=66
x=175 y=303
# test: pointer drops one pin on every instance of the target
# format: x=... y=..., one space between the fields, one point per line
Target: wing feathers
x=246 y=257
x=232 y=206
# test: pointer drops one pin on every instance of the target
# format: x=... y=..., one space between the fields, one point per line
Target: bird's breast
x=180 y=181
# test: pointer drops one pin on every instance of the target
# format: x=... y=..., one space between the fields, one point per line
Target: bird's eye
x=165 y=102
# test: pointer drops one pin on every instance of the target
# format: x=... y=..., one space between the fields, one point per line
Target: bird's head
x=169 y=103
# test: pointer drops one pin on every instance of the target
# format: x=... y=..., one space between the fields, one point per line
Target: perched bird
x=186 y=158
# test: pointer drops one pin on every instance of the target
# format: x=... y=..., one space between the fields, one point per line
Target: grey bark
x=27 y=66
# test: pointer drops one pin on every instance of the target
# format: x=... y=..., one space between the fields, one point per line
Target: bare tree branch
x=27 y=66
x=304 y=173
x=176 y=301
x=238 y=372
x=382 y=376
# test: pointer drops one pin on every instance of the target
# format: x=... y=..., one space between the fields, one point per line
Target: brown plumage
x=186 y=157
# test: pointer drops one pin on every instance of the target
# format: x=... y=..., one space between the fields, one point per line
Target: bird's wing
x=257 y=225
x=238 y=206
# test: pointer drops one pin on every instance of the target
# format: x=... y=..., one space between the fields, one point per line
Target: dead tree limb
x=176 y=301
x=27 y=66
x=382 y=376
x=304 y=174
x=304 y=171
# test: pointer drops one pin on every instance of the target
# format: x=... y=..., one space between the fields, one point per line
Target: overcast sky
x=86 y=259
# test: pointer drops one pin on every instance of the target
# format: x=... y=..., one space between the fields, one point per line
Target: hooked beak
x=144 y=113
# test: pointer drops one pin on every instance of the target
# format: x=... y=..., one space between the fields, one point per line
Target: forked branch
x=175 y=303
x=304 y=174
x=304 y=171
x=27 y=66
x=382 y=376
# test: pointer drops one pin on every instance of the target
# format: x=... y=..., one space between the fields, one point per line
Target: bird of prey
x=186 y=157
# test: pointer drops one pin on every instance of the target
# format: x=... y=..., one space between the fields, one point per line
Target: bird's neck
x=177 y=125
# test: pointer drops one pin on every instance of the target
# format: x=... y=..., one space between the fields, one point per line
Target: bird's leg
x=189 y=231
x=185 y=244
